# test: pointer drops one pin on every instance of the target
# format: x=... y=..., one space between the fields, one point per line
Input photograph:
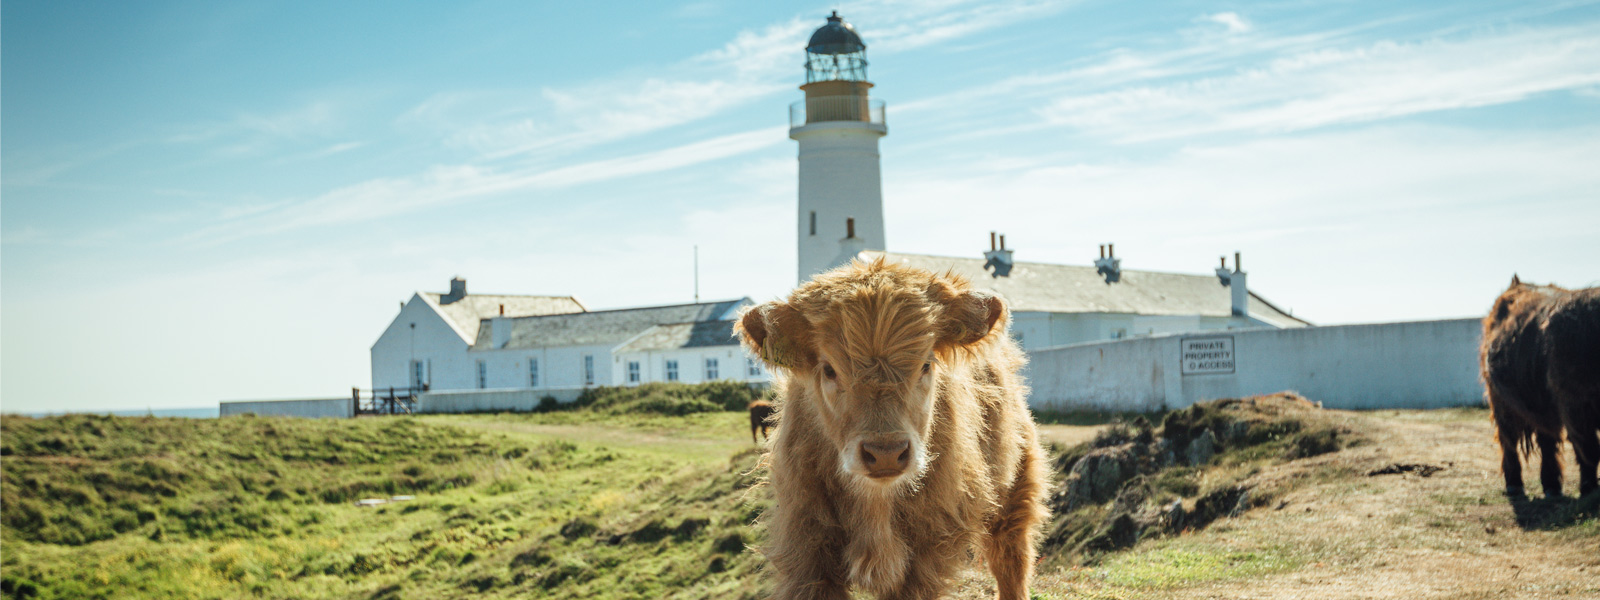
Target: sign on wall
x=1207 y=355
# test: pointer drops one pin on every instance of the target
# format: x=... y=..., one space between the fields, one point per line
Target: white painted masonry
x=1418 y=364
x=332 y=408
x=839 y=180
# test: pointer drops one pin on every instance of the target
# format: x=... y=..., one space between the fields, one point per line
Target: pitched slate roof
x=467 y=312
x=674 y=336
x=1043 y=287
x=604 y=327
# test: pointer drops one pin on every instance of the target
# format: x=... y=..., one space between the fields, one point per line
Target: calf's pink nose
x=885 y=459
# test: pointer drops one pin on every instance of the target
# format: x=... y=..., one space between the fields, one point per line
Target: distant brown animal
x=760 y=412
x=904 y=445
x=1541 y=371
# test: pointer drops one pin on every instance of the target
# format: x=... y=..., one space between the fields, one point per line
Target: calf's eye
x=827 y=370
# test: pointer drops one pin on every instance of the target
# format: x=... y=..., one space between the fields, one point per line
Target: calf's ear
x=778 y=334
x=970 y=316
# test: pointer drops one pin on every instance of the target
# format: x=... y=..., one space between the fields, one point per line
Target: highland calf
x=905 y=446
x=1541 y=371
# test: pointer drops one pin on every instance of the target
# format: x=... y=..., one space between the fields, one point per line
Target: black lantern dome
x=836 y=53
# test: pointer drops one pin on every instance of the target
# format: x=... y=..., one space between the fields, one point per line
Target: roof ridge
x=1046 y=264
x=662 y=306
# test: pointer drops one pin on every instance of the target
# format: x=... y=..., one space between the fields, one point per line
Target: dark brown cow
x=1541 y=371
x=760 y=412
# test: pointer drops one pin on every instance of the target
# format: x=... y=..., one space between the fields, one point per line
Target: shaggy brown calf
x=1541 y=372
x=905 y=442
x=760 y=412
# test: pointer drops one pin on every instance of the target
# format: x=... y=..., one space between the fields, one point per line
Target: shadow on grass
x=1545 y=514
x=1085 y=418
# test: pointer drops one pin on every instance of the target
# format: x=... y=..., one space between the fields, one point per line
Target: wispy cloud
x=1230 y=21
x=1344 y=85
x=442 y=185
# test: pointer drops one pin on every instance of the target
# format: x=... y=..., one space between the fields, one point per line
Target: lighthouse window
x=813 y=222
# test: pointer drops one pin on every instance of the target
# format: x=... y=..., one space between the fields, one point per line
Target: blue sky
x=205 y=201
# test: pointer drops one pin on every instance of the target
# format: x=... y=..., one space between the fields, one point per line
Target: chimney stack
x=1109 y=266
x=499 y=330
x=458 y=290
x=1241 y=290
x=998 y=259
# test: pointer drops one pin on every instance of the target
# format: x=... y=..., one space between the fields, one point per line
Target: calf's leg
x=1010 y=547
x=1550 y=463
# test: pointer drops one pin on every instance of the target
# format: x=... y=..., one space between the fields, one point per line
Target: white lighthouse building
x=838 y=126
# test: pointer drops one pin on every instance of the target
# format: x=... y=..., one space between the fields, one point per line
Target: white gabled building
x=687 y=352
x=461 y=341
x=426 y=345
x=577 y=350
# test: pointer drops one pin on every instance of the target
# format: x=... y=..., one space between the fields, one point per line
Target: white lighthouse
x=838 y=126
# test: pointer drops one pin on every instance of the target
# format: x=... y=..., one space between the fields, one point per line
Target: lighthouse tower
x=838 y=126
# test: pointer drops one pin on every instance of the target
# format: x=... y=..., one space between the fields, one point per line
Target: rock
x=1173 y=516
x=1202 y=448
x=1099 y=475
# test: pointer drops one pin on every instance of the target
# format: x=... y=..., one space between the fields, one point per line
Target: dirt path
x=612 y=435
x=1450 y=534
x=1067 y=435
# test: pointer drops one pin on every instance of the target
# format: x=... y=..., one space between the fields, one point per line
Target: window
x=711 y=369
x=672 y=370
x=751 y=367
x=533 y=372
x=633 y=371
x=813 y=222
x=483 y=375
x=588 y=369
x=417 y=374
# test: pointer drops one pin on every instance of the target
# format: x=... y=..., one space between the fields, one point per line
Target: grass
x=587 y=503
x=1172 y=565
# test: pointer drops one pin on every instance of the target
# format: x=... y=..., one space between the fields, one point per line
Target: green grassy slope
x=547 y=505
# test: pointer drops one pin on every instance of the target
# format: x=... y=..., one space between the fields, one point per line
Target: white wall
x=1040 y=330
x=559 y=367
x=490 y=400
x=433 y=341
x=338 y=408
x=731 y=364
x=1418 y=364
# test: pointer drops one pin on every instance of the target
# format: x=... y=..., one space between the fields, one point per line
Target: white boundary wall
x=472 y=401
x=1414 y=364
x=337 y=408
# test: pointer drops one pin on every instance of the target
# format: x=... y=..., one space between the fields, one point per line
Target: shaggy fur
x=760 y=418
x=1541 y=372
x=877 y=352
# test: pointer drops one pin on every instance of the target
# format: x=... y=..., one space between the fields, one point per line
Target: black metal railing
x=386 y=401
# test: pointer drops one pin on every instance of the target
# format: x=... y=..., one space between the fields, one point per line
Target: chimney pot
x=850 y=227
x=991 y=242
x=1102 y=250
x=1002 y=242
x=1111 y=250
x=1236 y=263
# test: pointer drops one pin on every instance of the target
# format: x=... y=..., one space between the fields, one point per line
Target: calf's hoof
x=1516 y=492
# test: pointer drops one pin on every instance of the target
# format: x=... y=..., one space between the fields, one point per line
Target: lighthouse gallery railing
x=836 y=108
